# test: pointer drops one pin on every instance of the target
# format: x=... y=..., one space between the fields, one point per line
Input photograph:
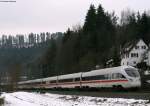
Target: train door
x=81 y=80
x=109 y=76
x=57 y=82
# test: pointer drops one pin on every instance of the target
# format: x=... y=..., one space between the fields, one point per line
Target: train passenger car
x=69 y=80
x=50 y=82
x=123 y=76
x=30 y=84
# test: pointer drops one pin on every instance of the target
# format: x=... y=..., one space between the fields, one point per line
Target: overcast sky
x=26 y=16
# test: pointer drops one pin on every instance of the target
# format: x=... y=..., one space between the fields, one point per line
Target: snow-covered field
x=47 y=99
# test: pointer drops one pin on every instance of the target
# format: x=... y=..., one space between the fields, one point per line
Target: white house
x=148 y=55
x=134 y=52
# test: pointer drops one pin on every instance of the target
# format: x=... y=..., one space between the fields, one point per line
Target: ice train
x=121 y=76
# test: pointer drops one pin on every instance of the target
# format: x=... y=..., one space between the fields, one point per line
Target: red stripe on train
x=104 y=81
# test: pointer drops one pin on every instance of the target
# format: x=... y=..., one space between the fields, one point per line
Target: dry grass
x=1 y=101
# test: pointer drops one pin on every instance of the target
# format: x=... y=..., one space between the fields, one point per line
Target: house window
x=127 y=55
x=134 y=62
x=137 y=55
x=134 y=54
x=123 y=56
x=143 y=47
x=136 y=47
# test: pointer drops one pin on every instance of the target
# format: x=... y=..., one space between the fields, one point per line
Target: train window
x=53 y=81
x=77 y=79
x=107 y=76
x=43 y=82
x=117 y=76
x=120 y=76
x=97 y=77
x=113 y=76
x=36 y=83
x=66 y=80
x=132 y=72
x=47 y=82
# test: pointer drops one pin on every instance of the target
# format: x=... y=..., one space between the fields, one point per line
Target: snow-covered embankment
x=36 y=99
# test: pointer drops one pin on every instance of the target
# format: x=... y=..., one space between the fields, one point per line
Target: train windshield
x=132 y=72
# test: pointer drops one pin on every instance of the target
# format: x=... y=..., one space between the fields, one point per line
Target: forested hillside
x=81 y=48
x=98 y=41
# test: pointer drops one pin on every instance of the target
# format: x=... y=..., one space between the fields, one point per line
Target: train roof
x=148 y=81
x=29 y=81
x=74 y=75
x=50 y=78
x=106 y=70
x=38 y=80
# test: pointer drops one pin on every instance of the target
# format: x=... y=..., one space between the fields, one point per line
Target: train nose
x=137 y=82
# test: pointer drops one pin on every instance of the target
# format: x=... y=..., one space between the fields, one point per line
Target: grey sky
x=26 y=16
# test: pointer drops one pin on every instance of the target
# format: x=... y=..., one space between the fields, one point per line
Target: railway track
x=120 y=94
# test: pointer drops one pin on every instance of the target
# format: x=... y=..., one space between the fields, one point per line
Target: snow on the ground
x=36 y=99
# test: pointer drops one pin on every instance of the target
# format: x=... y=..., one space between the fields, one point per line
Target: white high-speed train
x=121 y=76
